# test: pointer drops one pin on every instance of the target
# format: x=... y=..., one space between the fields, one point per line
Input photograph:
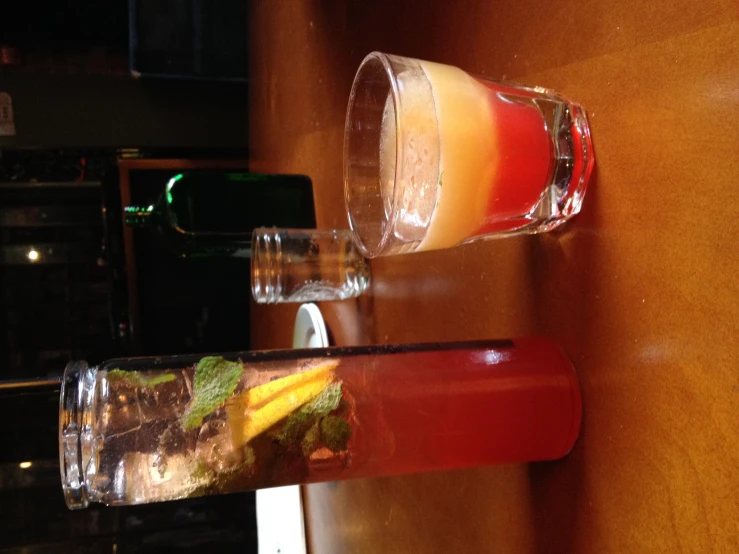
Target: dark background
x=87 y=79
x=73 y=86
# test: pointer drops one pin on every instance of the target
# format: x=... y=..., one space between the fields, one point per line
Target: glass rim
x=385 y=241
x=265 y=264
x=75 y=399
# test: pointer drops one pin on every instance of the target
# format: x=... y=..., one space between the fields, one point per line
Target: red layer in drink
x=526 y=157
x=445 y=409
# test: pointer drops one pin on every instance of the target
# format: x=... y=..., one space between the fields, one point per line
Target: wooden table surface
x=641 y=289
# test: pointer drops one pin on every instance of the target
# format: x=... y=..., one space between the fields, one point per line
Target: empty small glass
x=435 y=157
x=306 y=265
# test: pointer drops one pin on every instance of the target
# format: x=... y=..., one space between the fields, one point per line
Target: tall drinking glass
x=143 y=430
x=435 y=157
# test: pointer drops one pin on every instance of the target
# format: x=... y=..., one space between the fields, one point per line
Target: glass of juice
x=141 y=430
x=306 y=265
x=435 y=157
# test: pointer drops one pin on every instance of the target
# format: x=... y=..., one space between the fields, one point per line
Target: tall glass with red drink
x=141 y=430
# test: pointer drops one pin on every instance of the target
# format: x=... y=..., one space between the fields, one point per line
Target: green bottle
x=213 y=213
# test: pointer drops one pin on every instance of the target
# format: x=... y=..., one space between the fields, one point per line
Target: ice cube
x=122 y=414
x=215 y=447
x=152 y=478
x=174 y=439
x=148 y=399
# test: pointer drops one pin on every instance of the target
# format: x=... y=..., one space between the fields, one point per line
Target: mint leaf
x=325 y=402
x=215 y=380
x=125 y=377
x=296 y=425
x=311 y=440
x=335 y=433
x=202 y=472
x=304 y=428
x=250 y=457
x=157 y=379
x=137 y=379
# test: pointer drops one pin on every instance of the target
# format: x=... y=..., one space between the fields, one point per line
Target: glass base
x=573 y=164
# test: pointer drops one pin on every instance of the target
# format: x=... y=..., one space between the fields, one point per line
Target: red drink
x=480 y=404
x=527 y=156
x=529 y=152
x=505 y=152
x=435 y=157
x=154 y=429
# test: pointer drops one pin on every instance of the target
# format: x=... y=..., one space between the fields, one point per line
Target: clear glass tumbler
x=306 y=265
x=435 y=157
x=141 y=430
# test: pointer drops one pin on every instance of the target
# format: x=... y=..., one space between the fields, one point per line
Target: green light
x=169 y=198
x=150 y=208
x=240 y=176
x=172 y=181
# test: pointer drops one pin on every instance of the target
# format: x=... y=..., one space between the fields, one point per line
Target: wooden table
x=641 y=289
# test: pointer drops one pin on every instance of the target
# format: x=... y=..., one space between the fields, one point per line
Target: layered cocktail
x=435 y=157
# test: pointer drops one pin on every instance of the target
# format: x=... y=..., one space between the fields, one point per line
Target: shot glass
x=139 y=430
x=306 y=265
x=435 y=157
